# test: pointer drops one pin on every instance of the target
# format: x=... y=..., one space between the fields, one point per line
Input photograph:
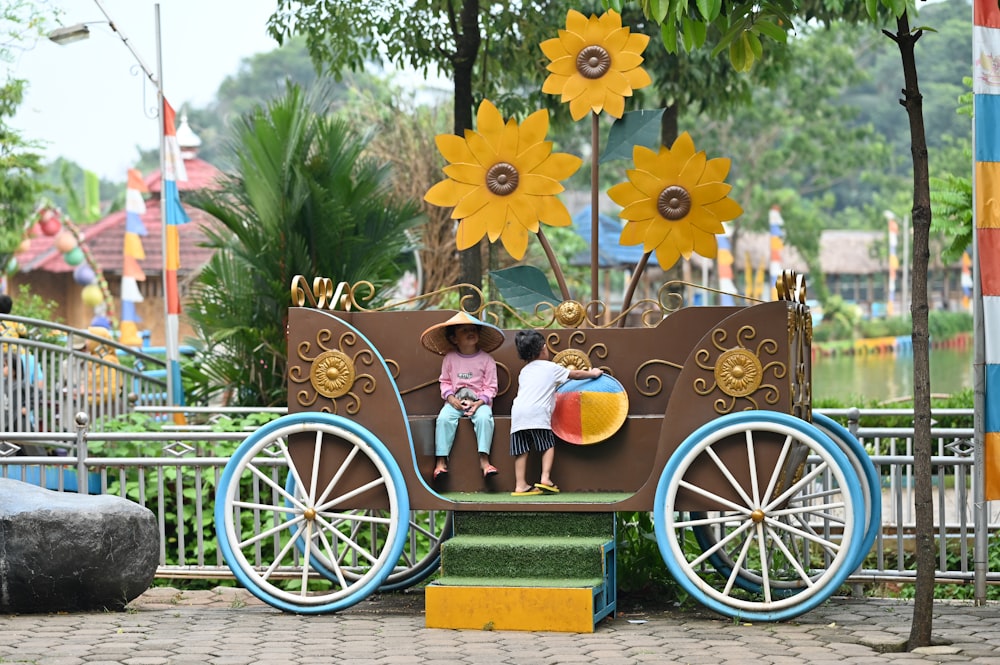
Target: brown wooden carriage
x=719 y=443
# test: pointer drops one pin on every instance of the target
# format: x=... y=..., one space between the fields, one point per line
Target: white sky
x=89 y=102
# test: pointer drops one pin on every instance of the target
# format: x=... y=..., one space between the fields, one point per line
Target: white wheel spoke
x=729 y=476
x=752 y=464
x=797 y=486
x=812 y=537
x=277 y=528
x=779 y=465
x=723 y=518
x=765 y=564
x=792 y=559
x=735 y=572
x=322 y=499
x=350 y=495
x=734 y=534
x=715 y=497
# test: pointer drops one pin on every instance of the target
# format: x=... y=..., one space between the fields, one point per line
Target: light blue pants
x=447 y=423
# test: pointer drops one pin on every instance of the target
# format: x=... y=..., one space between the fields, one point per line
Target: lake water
x=886 y=376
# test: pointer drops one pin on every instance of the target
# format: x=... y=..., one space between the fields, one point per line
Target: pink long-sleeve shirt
x=477 y=372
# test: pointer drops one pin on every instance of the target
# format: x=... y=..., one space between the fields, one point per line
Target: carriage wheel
x=259 y=522
x=421 y=555
x=722 y=558
x=793 y=535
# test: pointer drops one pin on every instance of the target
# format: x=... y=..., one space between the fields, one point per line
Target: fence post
x=82 y=479
x=853 y=420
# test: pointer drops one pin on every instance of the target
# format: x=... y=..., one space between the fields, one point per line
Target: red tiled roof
x=105 y=238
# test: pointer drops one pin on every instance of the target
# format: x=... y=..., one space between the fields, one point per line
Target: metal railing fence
x=174 y=472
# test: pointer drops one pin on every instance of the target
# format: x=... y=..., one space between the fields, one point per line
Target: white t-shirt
x=536 y=395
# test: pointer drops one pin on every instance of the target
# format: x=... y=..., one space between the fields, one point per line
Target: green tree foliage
x=302 y=200
x=19 y=168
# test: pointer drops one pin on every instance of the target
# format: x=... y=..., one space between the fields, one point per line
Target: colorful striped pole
x=725 y=261
x=986 y=213
x=173 y=216
x=776 y=224
x=133 y=252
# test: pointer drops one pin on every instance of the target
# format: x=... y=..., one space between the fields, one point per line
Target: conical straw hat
x=435 y=338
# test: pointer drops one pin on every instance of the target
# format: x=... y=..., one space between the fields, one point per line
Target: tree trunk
x=923 y=606
x=467 y=40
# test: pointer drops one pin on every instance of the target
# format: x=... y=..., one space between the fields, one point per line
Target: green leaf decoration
x=632 y=129
x=524 y=287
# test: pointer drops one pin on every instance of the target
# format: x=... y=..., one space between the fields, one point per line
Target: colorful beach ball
x=589 y=410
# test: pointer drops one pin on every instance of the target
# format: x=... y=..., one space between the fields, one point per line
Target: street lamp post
x=80 y=31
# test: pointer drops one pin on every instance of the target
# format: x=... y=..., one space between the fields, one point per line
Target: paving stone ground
x=227 y=626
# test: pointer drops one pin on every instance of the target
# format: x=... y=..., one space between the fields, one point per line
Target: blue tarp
x=611 y=254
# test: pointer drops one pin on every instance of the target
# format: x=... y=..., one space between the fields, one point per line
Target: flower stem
x=595 y=149
x=636 y=274
x=564 y=291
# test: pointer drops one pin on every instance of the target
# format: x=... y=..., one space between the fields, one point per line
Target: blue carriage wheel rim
x=787 y=608
x=226 y=480
x=837 y=431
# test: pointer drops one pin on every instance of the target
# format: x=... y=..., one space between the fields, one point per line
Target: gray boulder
x=62 y=551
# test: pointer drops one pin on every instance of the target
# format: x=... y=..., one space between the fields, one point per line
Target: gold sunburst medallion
x=332 y=374
x=738 y=372
x=572 y=359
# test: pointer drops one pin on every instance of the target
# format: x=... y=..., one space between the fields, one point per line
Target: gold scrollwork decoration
x=332 y=374
x=653 y=383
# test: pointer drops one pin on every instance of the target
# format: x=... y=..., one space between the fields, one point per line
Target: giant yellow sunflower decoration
x=675 y=201
x=595 y=64
x=503 y=180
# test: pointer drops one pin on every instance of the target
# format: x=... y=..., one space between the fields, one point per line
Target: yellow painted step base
x=510 y=608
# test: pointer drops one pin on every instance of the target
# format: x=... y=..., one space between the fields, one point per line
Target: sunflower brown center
x=674 y=202
x=593 y=62
x=502 y=178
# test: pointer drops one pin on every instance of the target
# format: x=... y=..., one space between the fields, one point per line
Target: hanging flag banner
x=890 y=297
x=776 y=225
x=725 y=261
x=133 y=252
x=986 y=213
x=174 y=215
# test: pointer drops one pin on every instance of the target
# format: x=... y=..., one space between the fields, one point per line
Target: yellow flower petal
x=559 y=165
x=709 y=192
x=454 y=148
x=690 y=175
x=553 y=212
x=634 y=233
x=533 y=130
x=515 y=239
x=553 y=49
x=683 y=148
x=616 y=40
x=616 y=84
x=471 y=203
x=522 y=209
x=579 y=107
x=574 y=88
x=646 y=182
x=539 y=185
x=554 y=84
x=625 y=193
x=534 y=156
x=667 y=256
x=485 y=153
x=565 y=66
x=470 y=231
x=609 y=21
x=490 y=124
x=706 y=245
x=575 y=21
x=637 y=78
x=637 y=43
x=447 y=193
x=705 y=221
x=726 y=209
x=644 y=208
x=473 y=174
x=614 y=104
x=646 y=160
x=625 y=61
x=716 y=169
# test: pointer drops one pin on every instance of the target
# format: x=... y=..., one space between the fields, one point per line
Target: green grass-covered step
x=532 y=582
x=540 y=524
x=523 y=556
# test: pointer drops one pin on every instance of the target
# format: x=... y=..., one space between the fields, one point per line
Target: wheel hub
x=757 y=516
x=309 y=513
